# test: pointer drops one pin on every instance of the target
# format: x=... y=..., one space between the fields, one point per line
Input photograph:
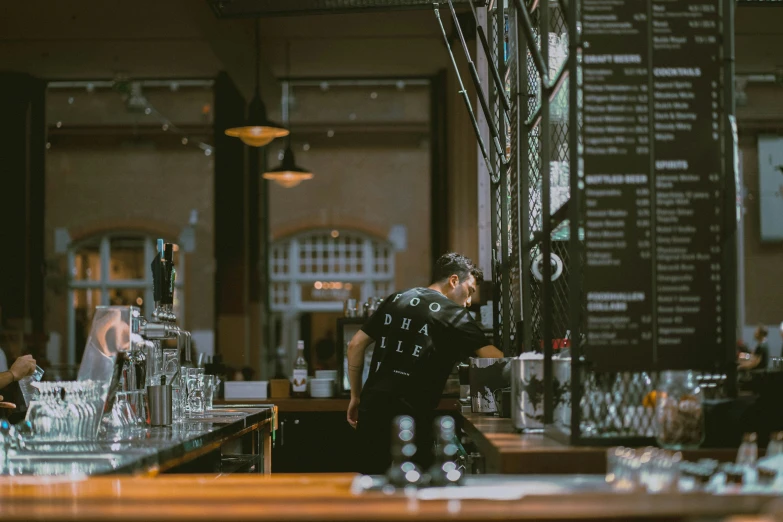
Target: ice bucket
x=486 y=377
x=527 y=391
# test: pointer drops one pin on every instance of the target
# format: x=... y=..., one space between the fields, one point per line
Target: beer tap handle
x=167 y=275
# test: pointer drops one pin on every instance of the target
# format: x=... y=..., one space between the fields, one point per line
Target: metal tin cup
x=160 y=404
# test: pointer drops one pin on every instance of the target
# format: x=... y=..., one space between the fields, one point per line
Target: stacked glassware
x=66 y=410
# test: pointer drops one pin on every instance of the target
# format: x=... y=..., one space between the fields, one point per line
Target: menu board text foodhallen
x=653 y=164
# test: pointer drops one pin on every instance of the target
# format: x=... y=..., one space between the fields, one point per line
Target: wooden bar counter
x=505 y=450
x=327 y=497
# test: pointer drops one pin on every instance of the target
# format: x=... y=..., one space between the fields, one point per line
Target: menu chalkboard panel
x=652 y=172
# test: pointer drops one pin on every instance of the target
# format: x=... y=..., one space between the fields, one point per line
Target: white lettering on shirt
x=383 y=342
x=416 y=351
x=399 y=346
x=388 y=320
x=396 y=297
x=415 y=301
x=406 y=323
x=378 y=367
x=436 y=309
x=424 y=330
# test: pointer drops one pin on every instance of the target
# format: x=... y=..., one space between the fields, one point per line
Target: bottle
x=299 y=380
x=403 y=472
x=748 y=452
x=775 y=446
x=444 y=470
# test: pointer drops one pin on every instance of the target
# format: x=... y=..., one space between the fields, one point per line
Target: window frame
x=105 y=284
x=292 y=249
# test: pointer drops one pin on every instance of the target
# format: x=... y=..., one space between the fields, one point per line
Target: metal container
x=487 y=376
x=160 y=404
x=561 y=368
x=527 y=393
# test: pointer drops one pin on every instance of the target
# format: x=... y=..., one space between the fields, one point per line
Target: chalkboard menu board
x=653 y=196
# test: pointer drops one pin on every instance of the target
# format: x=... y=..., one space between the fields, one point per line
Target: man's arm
x=22 y=367
x=6 y=378
x=489 y=352
x=749 y=364
x=356 y=349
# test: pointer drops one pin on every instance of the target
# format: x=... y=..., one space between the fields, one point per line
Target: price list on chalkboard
x=653 y=191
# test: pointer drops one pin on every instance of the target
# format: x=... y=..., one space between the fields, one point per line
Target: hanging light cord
x=286 y=87
x=258 y=56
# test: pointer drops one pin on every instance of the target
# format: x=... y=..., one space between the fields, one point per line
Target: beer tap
x=162 y=324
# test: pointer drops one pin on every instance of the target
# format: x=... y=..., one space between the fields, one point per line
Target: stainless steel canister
x=160 y=404
x=527 y=392
x=561 y=368
x=486 y=376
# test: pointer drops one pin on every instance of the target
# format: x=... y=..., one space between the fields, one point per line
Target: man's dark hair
x=453 y=263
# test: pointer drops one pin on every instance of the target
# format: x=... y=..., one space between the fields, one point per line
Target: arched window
x=318 y=270
x=112 y=269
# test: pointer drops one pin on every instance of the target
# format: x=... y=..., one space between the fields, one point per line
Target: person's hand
x=22 y=367
x=353 y=412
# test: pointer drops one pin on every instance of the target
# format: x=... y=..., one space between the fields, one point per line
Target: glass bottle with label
x=299 y=380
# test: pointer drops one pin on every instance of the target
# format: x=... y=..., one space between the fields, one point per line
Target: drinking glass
x=25 y=384
x=140 y=407
x=123 y=416
x=177 y=403
x=184 y=375
x=196 y=394
x=209 y=386
x=170 y=364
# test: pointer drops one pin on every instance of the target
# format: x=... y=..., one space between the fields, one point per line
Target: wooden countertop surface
x=505 y=450
x=296 y=405
x=324 y=497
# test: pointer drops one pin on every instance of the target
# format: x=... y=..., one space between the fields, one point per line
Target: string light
x=149 y=110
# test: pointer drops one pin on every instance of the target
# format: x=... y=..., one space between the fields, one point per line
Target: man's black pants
x=375 y=434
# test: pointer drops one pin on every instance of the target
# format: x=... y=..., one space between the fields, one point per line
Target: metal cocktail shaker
x=159 y=397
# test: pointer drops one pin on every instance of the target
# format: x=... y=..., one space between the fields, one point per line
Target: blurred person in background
x=760 y=357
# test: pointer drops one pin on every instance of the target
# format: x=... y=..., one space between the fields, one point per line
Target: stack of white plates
x=326 y=374
x=321 y=388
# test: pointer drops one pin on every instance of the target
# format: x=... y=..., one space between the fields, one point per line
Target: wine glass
x=170 y=364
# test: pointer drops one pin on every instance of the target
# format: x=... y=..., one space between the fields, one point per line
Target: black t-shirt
x=763 y=353
x=419 y=335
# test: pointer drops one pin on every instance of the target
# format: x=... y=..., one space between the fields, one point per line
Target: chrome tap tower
x=163 y=324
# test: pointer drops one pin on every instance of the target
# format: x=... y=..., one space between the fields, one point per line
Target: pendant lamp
x=258 y=129
x=288 y=174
